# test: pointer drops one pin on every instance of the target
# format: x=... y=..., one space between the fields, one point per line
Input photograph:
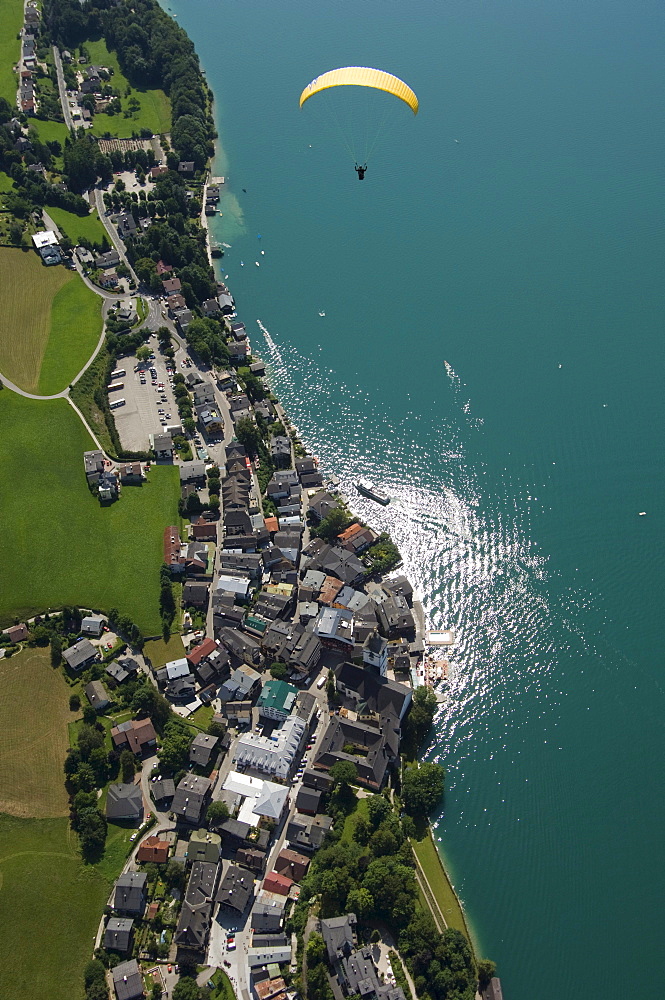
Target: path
x=62 y=89
x=430 y=897
x=97 y=200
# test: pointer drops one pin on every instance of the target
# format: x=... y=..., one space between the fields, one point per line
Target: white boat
x=321 y=313
x=368 y=489
x=257 y=263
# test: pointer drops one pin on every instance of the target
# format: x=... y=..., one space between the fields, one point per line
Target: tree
x=89 y=739
x=343 y=773
x=97 y=991
x=74 y=702
x=316 y=950
x=127 y=766
x=361 y=902
x=336 y=521
x=176 y=741
x=486 y=972
x=94 y=972
x=377 y=809
x=89 y=715
x=248 y=434
x=217 y=813
x=146 y=701
x=422 y=788
x=186 y=989
x=174 y=875
x=56 y=652
x=279 y=671
x=419 y=719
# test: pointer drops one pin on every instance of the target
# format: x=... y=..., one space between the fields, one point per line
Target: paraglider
x=360 y=123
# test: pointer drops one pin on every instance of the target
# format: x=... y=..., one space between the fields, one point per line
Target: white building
x=261 y=799
x=273 y=755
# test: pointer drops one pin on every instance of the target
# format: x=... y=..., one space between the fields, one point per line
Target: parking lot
x=149 y=401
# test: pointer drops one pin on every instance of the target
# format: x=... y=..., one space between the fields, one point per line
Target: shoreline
x=421 y=619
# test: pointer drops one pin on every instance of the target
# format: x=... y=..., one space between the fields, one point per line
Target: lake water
x=491 y=354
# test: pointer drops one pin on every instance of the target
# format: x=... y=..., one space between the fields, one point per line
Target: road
x=97 y=201
x=62 y=89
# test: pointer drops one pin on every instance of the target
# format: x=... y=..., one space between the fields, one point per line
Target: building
x=128 y=980
x=493 y=990
x=46 y=245
x=93 y=625
x=268 y=915
x=137 y=735
x=162 y=445
x=236 y=889
x=357 y=975
x=375 y=653
x=80 y=654
x=339 y=936
x=255 y=799
x=334 y=627
x=308 y=800
x=202 y=750
x=375 y=696
x=292 y=864
x=163 y=790
x=97 y=695
x=193 y=472
x=191 y=799
x=118 y=934
x=276 y=755
x=124 y=802
x=16 y=633
x=307 y=833
x=242 y=685
x=107 y=260
x=154 y=850
x=276 y=700
x=204 y=846
x=196 y=914
x=195 y=593
x=373 y=750
x=279 y=884
x=129 y=896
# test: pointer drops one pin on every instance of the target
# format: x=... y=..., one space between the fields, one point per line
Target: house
x=80 y=654
x=242 y=685
x=158 y=171
x=204 y=846
x=244 y=648
x=280 y=450
x=107 y=260
x=276 y=755
x=276 y=700
x=126 y=224
x=238 y=712
x=251 y=858
x=373 y=750
x=131 y=474
x=154 y=850
x=181 y=689
x=203 y=530
x=210 y=307
x=46 y=245
x=162 y=268
x=124 y=802
x=226 y=303
x=375 y=653
x=93 y=625
x=195 y=593
x=204 y=392
x=357 y=975
x=307 y=833
x=493 y=990
x=186 y=167
x=109 y=279
x=334 y=627
x=236 y=889
x=317 y=779
x=321 y=505
x=137 y=735
x=174 y=302
x=292 y=864
x=267 y=915
x=183 y=318
x=128 y=980
x=191 y=799
x=97 y=695
x=308 y=800
x=129 y=895
x=173 y=557
x=162 y=445
x=226 y=382
x=16 y=633
x=356 y=538
x=339 y=936
x=210 y=419
x=162 y=790
x=202 y=749
x=193 y=472
x=395 y=616
x=279 y=884
x=118 y=934
x=122 y=668
x=171 y=285
x=195 y=918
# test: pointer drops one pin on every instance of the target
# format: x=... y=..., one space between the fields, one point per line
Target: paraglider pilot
x=360 y=171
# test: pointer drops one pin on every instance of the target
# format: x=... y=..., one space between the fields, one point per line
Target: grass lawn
x=155 y=110
x=59 y=546
x=223 y=989
x=76 y=326
x=352 y=819
x=33 y=735
x=52 y=906
x=50 y=323
x=6 y=183
x=160 y=652
x=51 y=900
x=48 y=131
x=77 y=227
x=11 y=20
x=430 y=859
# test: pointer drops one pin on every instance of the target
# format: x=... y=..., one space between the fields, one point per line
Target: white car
x=134 y=836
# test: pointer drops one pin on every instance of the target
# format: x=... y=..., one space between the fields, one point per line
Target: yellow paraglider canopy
x=361 y=76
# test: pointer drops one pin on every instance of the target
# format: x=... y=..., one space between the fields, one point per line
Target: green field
x=48 y=131
x=33 y=742
x=155 y=110
x=59 y=546
x=50 y=323
x=77 y=227
x=50 y=901
x=160 y=652
x=444 y=894
x=11 y=20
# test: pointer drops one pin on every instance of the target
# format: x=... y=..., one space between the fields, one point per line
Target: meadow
x=59 y=545
x=50 y=323
x=78 y=227
x=11 y=19
x=50 y=901
x=155 y=108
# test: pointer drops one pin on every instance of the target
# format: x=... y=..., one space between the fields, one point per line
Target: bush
x=74 y=702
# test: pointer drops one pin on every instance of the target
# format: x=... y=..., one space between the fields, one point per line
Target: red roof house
x=200 y=652
x=277 y=883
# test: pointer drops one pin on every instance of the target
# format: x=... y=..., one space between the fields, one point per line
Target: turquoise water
x=492 y=354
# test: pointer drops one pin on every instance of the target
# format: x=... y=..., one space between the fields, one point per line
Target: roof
x=124 y=801
x=118 y=933
x=339 y=935
x=274 y=882
x=236 y=888
x=204 y=846
x=274 y=756
x=80 y=653
x=129 y=893
x=138 y=733
x=278 y=696
x=153 y=849
x=192 y=470
x=382 y=696
x=127 y=980
x=190 y=796
x=202 y=748
x=291 y=863
x=201 y=651
x=164 y=789
x=308 y=799
x=47 y=238
x=97 y=694
x=379 y=749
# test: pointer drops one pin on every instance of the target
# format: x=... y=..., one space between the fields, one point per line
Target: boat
x=242 y=263
x=368 y=489
x=227 y=245
x=321 y=313
x=257 y=263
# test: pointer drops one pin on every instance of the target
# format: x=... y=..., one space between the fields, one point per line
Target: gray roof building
x=202 y=749
x=377 y=749
x=80 y=654
x=97 y=695
x=127 y=980
x=118 y=934
x=124 y=802
x=339 y=935
x=191 y=798
x=196 y=914
x=162 y=789
x=130 y=893
x=236 y=889
x=92 y=625
x=268 y=916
